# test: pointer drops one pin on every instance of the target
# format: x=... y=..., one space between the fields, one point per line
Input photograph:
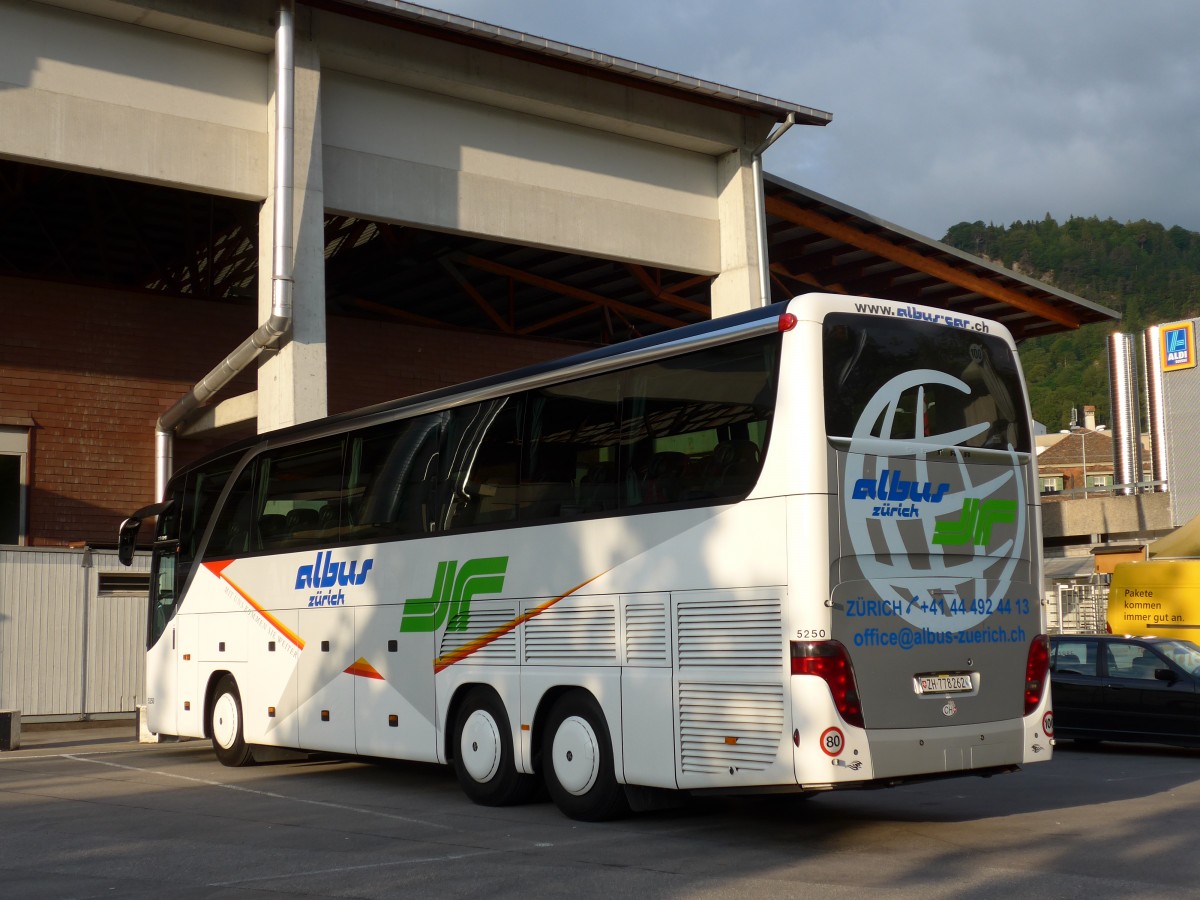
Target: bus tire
x=483 y=752
x=577 y=760
x=225 y=725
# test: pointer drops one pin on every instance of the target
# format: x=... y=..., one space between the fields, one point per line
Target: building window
x=1100 y=481
x=14 y=475
x=1051 y=484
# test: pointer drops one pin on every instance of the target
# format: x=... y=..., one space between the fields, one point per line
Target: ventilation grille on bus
x=572 y=632
x=730 y=633
x=646 y=634
x=482 y=621
x=729 y=726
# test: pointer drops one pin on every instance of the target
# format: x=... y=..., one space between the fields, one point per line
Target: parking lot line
x=452 y=857
x=246 y=790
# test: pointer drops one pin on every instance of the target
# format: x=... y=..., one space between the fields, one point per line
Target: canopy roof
x=88 y=229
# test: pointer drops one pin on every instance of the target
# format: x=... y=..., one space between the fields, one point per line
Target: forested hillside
x=1149 y=273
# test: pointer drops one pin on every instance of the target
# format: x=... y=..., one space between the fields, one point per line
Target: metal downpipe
x=760 y=210
x=282 y=262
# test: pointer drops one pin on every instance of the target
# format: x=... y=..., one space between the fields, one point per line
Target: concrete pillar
x=736 y=288
x=292 y=382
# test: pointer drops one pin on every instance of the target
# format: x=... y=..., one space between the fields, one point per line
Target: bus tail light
x=1037 y=670
x=830 y=661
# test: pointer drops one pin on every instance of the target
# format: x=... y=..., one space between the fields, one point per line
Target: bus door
x=162 y=679
x=175 y=702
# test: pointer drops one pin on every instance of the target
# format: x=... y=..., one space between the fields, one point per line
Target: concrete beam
x=226 y=414
x=107 y=97
x=412 y=157
x=1140 y=514
x=505 y=81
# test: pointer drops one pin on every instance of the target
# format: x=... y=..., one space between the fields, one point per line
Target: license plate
x=944 y=684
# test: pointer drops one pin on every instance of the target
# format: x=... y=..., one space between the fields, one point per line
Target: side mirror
x=127 y=540
x=127 y=535
x=1166 y=675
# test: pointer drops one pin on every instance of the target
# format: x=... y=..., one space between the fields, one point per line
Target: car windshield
x=1184 y=654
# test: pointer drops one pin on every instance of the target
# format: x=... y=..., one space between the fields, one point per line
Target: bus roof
x=725 y=329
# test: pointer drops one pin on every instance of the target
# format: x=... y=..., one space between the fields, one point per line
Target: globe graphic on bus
x=897 y=556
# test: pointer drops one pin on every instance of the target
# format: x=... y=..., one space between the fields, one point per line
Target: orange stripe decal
x=460 y=653
x=363 y=669
x=218 y=569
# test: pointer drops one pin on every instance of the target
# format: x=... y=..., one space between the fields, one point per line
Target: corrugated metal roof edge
x=540 y=46
x=939 y=247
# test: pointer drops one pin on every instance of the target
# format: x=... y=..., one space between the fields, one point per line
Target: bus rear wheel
x=225 y=724
x=577 y=760
x=483 y=752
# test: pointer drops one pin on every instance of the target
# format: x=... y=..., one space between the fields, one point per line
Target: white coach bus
x=794 y=549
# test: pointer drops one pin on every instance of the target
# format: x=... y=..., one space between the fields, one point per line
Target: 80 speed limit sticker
x=832 y=741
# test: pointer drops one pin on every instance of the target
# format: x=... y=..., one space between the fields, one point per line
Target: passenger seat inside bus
x=664 y=477
x=272 y=529
x=551 y=485
x=300 y=520
x=598 y=488
x=327 y=521
x=739 y=462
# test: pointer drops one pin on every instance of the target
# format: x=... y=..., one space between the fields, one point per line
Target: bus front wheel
x=577 y=759
x=483 y=752
x=225 y=724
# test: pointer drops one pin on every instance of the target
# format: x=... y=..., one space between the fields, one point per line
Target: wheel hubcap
x=480 y=746
x=576 y=755
x=225 y=721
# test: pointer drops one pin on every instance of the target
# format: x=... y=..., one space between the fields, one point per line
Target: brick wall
x=95 y=369
x=370 y=362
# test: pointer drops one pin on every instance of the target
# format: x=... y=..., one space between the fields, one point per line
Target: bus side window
x=483 y=464
x=392 y=484
x=231 y=533
x=295 y=487
x=569 y=464
x=201 y=493
x=695 y=428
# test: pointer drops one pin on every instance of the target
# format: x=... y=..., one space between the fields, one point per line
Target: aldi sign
x=1178 y=346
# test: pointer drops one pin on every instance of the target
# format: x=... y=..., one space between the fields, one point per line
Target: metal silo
x=1123 y=393
x=1155 y=406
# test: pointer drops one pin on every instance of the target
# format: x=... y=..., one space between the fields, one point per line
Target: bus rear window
x=897 y=379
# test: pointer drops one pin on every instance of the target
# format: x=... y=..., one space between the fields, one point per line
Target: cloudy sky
x=943 y=110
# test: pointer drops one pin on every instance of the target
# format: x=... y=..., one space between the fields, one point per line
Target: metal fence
x=1078 y=607
x=72 y=633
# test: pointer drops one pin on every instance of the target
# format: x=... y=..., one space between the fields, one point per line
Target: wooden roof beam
x=689 y=283
x=478 y=298
x=885 y=248
x=779 y=269
x=567 y=290
x=651 y=287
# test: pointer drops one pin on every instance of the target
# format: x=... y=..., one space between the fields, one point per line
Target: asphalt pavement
x=87 y=811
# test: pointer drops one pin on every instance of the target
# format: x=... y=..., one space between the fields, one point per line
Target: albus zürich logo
x=926 y=528
x=328 y=577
